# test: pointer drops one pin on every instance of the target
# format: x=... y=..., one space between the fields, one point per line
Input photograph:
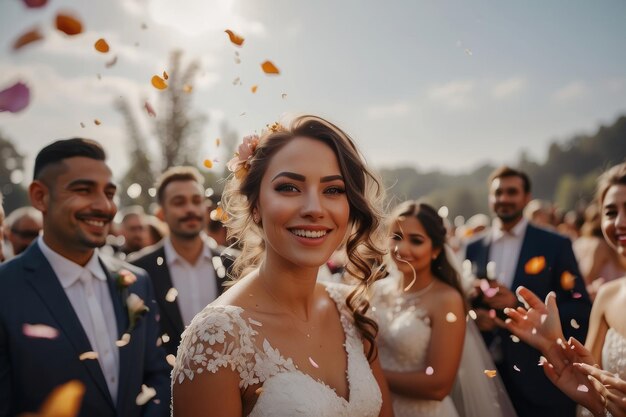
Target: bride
x=278 y=343
x=423 y=343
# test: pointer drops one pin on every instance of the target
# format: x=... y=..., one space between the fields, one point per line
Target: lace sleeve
x=218 y=337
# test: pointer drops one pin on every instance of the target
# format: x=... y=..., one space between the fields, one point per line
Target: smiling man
x=61 y=299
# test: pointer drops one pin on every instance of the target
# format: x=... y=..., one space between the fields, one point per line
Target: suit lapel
x=524 y=255
x=44 y=281
x=162 y=284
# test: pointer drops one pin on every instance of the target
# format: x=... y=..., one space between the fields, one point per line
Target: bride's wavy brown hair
x=365 y=241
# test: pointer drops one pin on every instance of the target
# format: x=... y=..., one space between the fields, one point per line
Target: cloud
x=570 y=92
x=616 y=85
x=397 y=109
x=454 y=94
x=508 y=88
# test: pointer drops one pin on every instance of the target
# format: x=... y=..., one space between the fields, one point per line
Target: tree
x=11 y=171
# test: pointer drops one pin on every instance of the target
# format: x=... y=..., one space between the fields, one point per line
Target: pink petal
x=14 y=98
x=150 y=109
x=33 y=4
x=313 y=363
x=40 y=331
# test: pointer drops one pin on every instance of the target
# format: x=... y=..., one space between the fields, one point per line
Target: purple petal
x=33 y=4
x=14 y=98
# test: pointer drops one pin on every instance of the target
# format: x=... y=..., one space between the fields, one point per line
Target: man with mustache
x=67 y=312
x=541 y=260
x=185 y=267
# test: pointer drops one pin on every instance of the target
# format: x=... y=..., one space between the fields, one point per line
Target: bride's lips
x=310 y=235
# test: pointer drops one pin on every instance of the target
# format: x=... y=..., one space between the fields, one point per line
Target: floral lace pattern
x=221 y=337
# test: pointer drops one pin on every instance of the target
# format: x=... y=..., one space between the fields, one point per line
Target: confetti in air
x=165 y=337
x=165 y=76
x=149 y=109
x=259 y=391
x=535 y=265
x=254 y=88
x=234 y=38
x=14 y=98
x=101 y=46
x=568 y=280
x=123 y=341
x=27 y=38
x=582 y=388
x=68 y=24
x=515 y=339
x=158 y=83
x=491 y=373
x=269 y=68
x=160 y=261
x=430 y=370
x=112 y=62
x=34 y=4
x=516 y=368
x=574 y=324
x=63 y=401
x=88 y=355
x=39 y=331
x=171 y=359
x=187 y=88
x=450 y=317
x=208 y=163
x=313 y=363
x=146 y=394
x=97 y=122
x=171 y=295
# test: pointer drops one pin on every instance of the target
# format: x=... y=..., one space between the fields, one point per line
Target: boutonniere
x=135 y=306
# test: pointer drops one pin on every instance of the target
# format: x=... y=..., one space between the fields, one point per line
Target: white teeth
x=98 y=223
x=309 y=233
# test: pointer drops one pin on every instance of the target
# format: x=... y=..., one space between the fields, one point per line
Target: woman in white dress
x=278 y=343
x=576 y=369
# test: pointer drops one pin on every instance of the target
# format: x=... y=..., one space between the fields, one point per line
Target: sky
x=446 y=85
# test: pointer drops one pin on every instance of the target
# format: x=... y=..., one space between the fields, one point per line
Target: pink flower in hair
x=240 y=164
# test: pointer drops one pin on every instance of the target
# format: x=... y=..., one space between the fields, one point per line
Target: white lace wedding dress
x=613 y=360
x=226 y=336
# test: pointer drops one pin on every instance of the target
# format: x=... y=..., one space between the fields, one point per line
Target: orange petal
x=208 y=163
x=101 y=46
x=254 y=88
x=165 y=76
x=217 y=142
x=234 y=38
x=158 y=83
x=568 y=280
x=187 y=88
x=64 y=400
x=535 y=265
x=97 y=122
x=269 y=68
x=68 y=24
x=28 y=37
x=490 y=373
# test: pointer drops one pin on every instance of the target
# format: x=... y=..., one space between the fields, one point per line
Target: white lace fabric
x=222 y=337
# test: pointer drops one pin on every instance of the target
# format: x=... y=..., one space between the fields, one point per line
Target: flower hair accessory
x=240 y=164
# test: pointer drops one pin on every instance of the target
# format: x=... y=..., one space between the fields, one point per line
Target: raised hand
x=613 y=388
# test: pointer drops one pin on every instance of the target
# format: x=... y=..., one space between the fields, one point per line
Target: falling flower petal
x=515 y=339
x=259 y=391
x=112 y=62
x=144 y=26
x=146 y=394
x=158 y=83
x=234 y=38
x=577 y=295
x=165 y=76
x=208 y=163
x=582 y=388
x=492 y=313
x=568 y=280
x=88 y=355
x=472 y=314
x=284 y=95
x=468 y=52
x=14 y=98
x=33 y=4
x=160 y=261
x=187 y=88
x=218 y=141
x=430 y=370
x=123 y=341
x=491 y=373
x=254 y=88
x=97 y=122
x=236 y=81
x=165 y=337
x=574 y=324
x=101 y=46
x=171 y=295
x=313 y=363
x=26 y=38
x=269 y=68
x=64 y=400
x=149 y=109
x=535 y=265
x=171 y=359
x=450 y=317
x=516 y=368
x=82 y=125
x=40 y=331
x=68 y=24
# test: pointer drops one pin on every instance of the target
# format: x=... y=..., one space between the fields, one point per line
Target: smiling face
x=411 y=247
x=507 y=198
x=302 y=204
x=614 y=218
x=183 y=208
x=77 y=205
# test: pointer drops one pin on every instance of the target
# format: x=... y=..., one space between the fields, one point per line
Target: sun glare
x=193 y=17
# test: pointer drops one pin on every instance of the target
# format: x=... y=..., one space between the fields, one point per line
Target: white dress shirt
x=505 y=249
x=88 y=292
x=196 y=284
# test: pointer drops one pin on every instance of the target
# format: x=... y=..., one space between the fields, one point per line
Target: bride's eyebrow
x=302 y=178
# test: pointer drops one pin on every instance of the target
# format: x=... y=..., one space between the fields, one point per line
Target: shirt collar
x=69 y=272
x=171 y=256
x=517 y=231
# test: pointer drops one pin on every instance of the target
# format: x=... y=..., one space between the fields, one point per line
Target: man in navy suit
x=68 y=314
x=524 y=255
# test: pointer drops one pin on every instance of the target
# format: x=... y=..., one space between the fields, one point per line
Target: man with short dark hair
x=185 y=267
x=134 y=228
x=23 y=226
x=521 y=254
x=66 y=313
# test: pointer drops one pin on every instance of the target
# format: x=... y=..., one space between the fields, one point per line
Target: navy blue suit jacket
x=529 y=387
x=30 y=293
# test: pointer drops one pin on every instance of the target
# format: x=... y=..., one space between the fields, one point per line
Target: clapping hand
x=613 y=388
